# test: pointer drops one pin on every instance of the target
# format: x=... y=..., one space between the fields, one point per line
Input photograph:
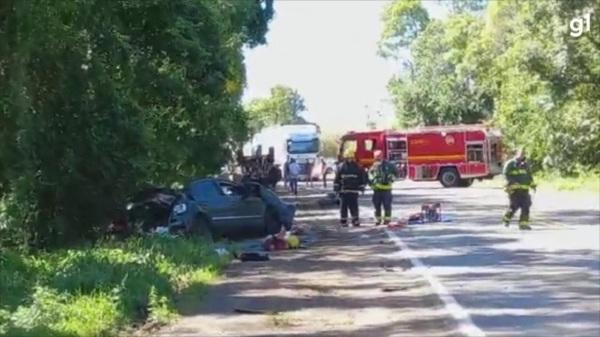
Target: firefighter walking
x=381 y=178
x=518 y=182
x=350 y=180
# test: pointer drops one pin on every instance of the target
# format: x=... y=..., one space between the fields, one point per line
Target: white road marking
x=465 y=324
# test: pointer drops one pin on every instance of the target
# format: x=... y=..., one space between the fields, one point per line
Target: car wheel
x=465 y=182
x=201 y=228
x=272 y=223
x=449 y=177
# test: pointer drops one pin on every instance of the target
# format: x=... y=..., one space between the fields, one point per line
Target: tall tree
x=518 y=65
x=403 y=20
x=330 y=144
x=98 y=97
x=437 y=87
x=459 y=6
x=283 y=106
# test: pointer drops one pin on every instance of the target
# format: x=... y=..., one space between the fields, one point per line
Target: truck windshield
x=307 y=146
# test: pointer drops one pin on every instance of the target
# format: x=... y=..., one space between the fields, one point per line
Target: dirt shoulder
x=348 y=283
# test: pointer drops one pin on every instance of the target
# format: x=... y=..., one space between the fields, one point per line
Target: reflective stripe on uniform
x=382 y=186
x=350 y=191
x=344 y=176
x=516 y=172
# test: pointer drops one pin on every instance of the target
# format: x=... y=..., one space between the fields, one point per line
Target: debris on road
x=392 y=289
x=386 y=267
x=397 y=225
x=253 y=256
x=255 y=311
x=221 y=251
x=278 y=242
x=330 y=200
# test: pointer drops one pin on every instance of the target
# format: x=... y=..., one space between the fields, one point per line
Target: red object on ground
x=398 y=224
x=273 y=242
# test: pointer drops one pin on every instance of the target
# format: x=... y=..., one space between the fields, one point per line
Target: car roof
x=211 y=179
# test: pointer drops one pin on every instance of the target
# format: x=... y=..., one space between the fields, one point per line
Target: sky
x=327 y=51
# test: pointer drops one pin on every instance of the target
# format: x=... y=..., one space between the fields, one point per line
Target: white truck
x=292 y=141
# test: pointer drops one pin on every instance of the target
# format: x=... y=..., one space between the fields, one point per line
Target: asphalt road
x=544 y=282
x=468 y=277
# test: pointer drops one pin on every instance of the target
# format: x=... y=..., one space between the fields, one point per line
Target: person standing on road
x=310 y=165
x=324 y=171
x=381 y=178
x=350 y=179
x=274 y=176
x=286 y=172
x=518 y=182
x=294 y=173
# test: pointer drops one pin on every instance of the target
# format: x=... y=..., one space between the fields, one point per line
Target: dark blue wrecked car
x=220 y=208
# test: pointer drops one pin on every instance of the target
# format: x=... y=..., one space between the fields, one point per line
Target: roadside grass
x=101 y=290
x=585 y=181
x=582 y=181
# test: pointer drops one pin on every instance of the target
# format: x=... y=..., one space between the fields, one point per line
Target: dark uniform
x=350 y=179
x=519 y=181
x=381 y=178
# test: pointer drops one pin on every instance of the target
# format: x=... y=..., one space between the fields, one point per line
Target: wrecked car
x=212 y=208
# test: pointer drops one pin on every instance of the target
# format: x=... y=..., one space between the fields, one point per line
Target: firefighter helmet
x=348 y=154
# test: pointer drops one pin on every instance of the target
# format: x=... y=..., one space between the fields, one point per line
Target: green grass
x=583 y=181
x=100 y=290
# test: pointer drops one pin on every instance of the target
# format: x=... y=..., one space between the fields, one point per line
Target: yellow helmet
x=348 y=154
x=293 y=241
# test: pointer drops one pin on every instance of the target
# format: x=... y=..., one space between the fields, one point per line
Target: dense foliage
x=330 y=144
x=98 y=291
x=97 y=97
x=283 y=106
x=513 y=63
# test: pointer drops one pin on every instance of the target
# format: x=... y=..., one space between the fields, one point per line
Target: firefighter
x=518 y=182
x=350 y=179
x=381 y=178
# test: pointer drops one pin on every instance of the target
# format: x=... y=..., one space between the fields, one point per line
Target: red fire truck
x=454 y=155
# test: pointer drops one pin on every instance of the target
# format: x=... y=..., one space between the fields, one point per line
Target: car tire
x=272 y=223
x=449 y=177
x=465 y=182
x=201 y=228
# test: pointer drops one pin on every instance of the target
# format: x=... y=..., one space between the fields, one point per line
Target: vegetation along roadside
x=101 y=290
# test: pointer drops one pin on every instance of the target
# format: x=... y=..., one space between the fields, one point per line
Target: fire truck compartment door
x=476 y=159
x=397 y=150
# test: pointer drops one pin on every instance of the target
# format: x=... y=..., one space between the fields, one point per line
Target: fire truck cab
x=454 y=155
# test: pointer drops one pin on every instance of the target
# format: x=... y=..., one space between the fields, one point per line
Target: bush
x=99 y=290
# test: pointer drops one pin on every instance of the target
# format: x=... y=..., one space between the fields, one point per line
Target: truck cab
x=304 y=148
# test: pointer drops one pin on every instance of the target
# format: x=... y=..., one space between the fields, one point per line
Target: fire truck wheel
x=449 y=177
x=465 y=182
